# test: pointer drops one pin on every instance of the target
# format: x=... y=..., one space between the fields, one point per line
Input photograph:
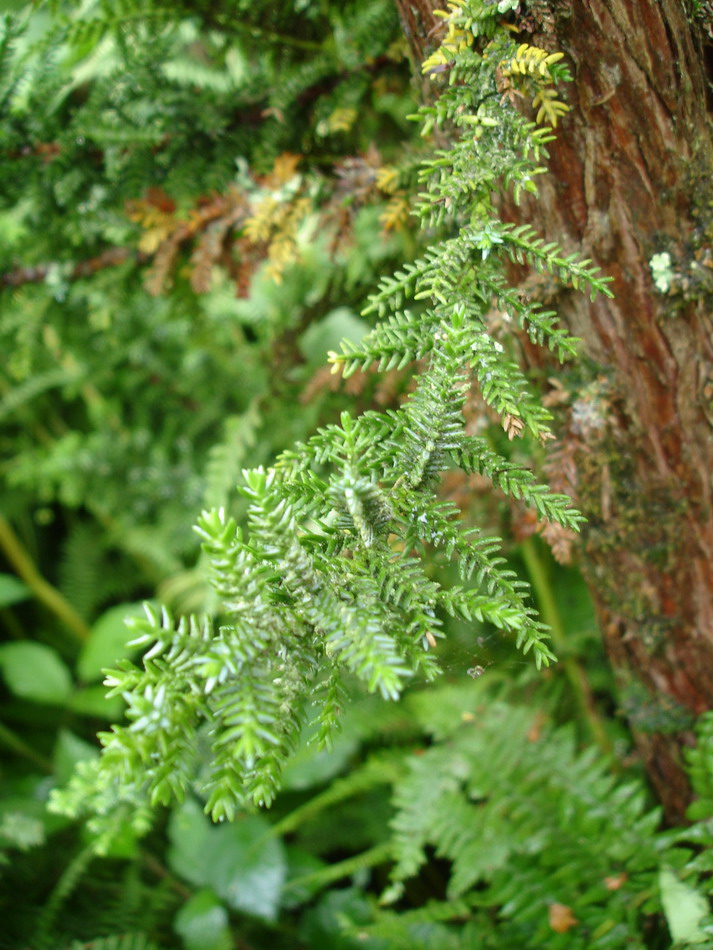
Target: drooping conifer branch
x=328 y=582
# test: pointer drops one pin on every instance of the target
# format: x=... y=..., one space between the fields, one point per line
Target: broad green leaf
x=326 y=335
x=21 y=831
x=92 y=701
x=300 y=864
x=244 y=865
x=70 y=749
x=108 y=641
x=203 y=923
x=313 y=766
x=684 y=908
x=12 y=590
x=35 y=671
x=249 y=867
x=189 y=831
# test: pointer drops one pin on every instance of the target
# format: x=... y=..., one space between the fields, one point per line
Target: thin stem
x=550 y=613
x=334 y=872
x=63 y=889
x=48 y=595
x=280 y=39
x=375 y=772
x=155 y=866
x=14 y=742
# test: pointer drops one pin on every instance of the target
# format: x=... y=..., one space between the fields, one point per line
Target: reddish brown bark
x=418 y=23
x=631 y=176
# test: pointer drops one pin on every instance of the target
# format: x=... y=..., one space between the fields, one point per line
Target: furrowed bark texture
x=631 y=176
x=418 y=23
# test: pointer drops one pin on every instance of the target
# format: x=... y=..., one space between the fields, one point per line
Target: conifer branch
x=327 y=583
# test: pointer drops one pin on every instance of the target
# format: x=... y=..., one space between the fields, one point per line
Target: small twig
x=36 y=275
x=377 y=855
x=550 y=613
x=48 y=595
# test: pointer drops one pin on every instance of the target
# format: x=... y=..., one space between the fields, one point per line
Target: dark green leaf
x=108 y=641
x=12 y=590
x=35 y=671
x=241 y=862
x=202 y=923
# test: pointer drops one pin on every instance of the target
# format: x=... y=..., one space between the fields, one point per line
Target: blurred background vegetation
x=195 y=199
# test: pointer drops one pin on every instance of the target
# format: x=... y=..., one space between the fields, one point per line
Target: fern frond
x=327 y=579
x=34 y=386
x=227 y=458
x=484 y=804
x=116 y=942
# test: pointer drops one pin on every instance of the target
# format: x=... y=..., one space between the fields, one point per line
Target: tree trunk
x=631 y=175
